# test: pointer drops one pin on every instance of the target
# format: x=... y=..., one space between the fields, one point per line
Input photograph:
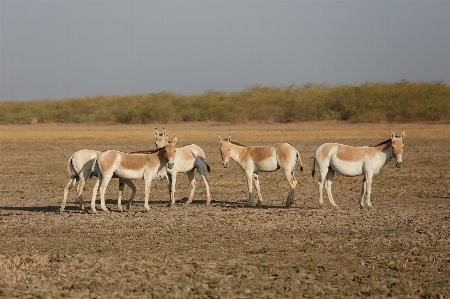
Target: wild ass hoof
x=208 y=203
x=258 y=204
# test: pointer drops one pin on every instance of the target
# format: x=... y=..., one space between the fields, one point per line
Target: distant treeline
x=368 y=102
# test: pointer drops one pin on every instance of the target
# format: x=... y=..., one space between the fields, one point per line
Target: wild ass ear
x=174 y=140
x=219 y=138
x=402 y=135
x=392 y=135
x=164 y=132
x=156 y=133
x=229 y=138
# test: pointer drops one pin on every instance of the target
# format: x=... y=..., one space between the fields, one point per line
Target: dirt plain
x=400 y=248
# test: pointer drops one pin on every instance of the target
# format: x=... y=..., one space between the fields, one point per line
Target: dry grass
x=206 y=132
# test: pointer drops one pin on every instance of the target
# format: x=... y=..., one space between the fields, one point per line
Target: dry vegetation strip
x=374 y=102
x=206 y=132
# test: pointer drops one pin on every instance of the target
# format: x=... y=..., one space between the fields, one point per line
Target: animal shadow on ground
x=37 y=209
x=74 y=207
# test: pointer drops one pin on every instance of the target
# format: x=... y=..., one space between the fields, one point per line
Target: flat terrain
x=400 y=248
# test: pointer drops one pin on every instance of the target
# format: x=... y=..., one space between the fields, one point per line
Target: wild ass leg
x=201 y=167
x=323 y=173
x=258 y=189
x=148 y=183
x=84 y=176
x=119 y=199
x=103 y=185
x=80 y=189
x=191 y=177
x=130 y=184
x=369 y=189
x=328 y=182
x=133 y=193
x=363 y=192
x=94 y=195
x=250 y=187
x=292 y=184
x=69 y=186
x=208 y=194
x=172 y=181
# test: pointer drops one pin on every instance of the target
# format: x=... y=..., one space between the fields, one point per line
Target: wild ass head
x=161 y=140
x=397 y=148
x=169 y=152
x=225 y=150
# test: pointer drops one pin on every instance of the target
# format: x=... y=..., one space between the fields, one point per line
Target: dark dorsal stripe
x=147 y=151
x=235 y=143
x=382 y=143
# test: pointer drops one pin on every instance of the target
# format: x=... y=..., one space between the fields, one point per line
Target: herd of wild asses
x=166 y=161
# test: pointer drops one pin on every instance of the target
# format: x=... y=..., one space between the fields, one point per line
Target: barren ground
x=400 y=248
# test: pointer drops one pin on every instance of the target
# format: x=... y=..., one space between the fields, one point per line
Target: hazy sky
x=58 y=49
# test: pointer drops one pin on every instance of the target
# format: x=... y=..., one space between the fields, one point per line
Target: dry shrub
x=368 y=102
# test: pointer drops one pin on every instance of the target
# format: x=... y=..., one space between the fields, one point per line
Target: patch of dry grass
x=206 y=132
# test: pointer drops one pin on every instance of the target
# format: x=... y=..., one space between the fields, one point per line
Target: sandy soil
x=400 y=248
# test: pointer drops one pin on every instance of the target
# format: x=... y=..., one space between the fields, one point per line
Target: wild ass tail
x=300 y=160
x=207 y=167
x=94 y=165
x=72 y=171
x=313 y=170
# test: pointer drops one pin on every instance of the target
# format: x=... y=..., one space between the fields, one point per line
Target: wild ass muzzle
x=253 y=159
x=351 y=161
x=187 y=159
x=129 y=167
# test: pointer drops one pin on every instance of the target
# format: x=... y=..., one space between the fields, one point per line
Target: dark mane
x=235 y=143
x=146 y=151
x=382 y=143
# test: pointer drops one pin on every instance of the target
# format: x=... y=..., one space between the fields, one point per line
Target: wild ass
x=187 y=159
x=129 y=167
x=81 y=168
x=253 y=159
x=352 y=161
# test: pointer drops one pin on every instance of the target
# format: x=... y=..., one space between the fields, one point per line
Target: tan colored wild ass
x=253 y=159
x=81 y=169
x=186 y=159
x=347 y=160
x=129 y=167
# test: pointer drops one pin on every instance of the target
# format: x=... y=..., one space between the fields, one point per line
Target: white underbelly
x=267 y=165
x=130 y=173
x=184 y=166
x=347 y=168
